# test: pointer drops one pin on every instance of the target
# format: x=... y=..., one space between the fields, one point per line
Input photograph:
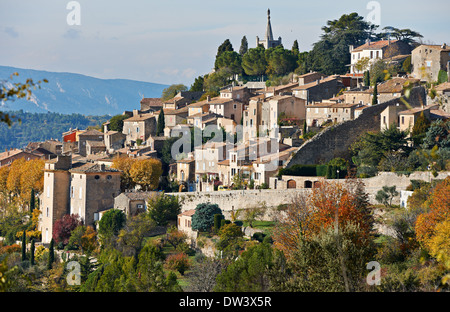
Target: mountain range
x=68 y=93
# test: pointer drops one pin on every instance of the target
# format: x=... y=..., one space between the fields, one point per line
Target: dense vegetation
x=38 y=127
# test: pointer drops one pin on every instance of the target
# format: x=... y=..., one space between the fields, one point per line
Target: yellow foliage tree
x=124 y=164
x=146 y=173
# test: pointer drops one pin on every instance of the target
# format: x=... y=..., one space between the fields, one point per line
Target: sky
x=175 y=41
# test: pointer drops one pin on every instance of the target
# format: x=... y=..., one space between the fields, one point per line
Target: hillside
x=69 y=93
x=38 y=127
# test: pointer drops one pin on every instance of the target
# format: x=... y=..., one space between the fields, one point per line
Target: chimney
x=208 y=98
x=135 y=112
x=444 y=46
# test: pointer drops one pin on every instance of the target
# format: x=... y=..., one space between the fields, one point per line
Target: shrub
x=178 y=262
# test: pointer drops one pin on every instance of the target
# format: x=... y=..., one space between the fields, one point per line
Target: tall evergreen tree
x=32 y=201
x=225 y=46
x=32 y=252
x=366 y=78
x=24 y=246
x=295 y=47
x=161 y=123
x=51 y=254
x=244 y=46
x=375 y=94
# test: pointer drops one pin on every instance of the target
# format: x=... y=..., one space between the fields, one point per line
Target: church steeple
x=269 y=34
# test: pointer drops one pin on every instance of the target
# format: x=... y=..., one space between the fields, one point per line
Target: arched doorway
x=308 y=184
x=291 y=184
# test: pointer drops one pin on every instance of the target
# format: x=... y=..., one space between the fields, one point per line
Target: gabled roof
x=374 y=45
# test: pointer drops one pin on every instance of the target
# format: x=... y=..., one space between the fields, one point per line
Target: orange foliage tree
x=328 y=205
x=439 y=211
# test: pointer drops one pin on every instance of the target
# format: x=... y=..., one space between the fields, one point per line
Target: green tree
x=163 y=208
x=295 y=48
x=51 y=254
x=224 y=47
x=330 y=55
x=280 y=61
x=367 y=78
x=32 y=249
x=116 y=122
x=231 y=60
x=437 y=135
x=171 y=91
x=32 y=200
x=250 y=272
x=203 y=218
x=110 y=224
x=386 y=195
x=375 y=94
x=24 y=246
x=254 y=62
x=244 y=46
x=419 y=129
x=161 y=123
x=197 y=86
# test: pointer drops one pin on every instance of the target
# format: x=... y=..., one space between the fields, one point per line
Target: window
x=137 y=129
x=378 y=54
x=428 y=63
x=234 y=106
x=71 y=192
x=81 y=192
x=47 y=212
x=384 y=119
x=97 y=177
x=48 y=190
x=371 y=54
x=403 y=120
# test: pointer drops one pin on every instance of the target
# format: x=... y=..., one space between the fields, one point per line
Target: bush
x=178 y=262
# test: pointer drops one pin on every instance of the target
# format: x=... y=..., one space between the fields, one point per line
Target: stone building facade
x=84 y=189
x=428 y=60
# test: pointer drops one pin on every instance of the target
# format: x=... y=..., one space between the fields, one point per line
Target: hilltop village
x=254 y=145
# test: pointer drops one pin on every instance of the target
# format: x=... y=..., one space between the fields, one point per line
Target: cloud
x=12 y=32
x=72 y=34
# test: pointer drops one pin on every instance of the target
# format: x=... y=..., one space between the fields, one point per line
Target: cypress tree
x=304 y=127
x=32 y=201
x=366 y=78
x=51 y=255
x=375 y=95
x=32 y=252
x=24 y=246
x=161 y=123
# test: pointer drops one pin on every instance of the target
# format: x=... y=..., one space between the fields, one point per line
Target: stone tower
x=268 y=41
x=55 y=196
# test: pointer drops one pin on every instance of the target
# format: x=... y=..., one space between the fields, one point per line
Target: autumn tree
x=10 y=91
x=124 y=164
x=439 y=211
x=63 y=228
x=146 y=173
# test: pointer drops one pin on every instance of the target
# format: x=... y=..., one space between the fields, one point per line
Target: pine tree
x=32 y=252
x=161 y=123
x=24 y=246
x=51 y=255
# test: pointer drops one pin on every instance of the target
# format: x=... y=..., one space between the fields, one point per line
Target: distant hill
x=69 y=93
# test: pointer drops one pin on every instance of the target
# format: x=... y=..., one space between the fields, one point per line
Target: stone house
x=114 y=140
x=132 y=203
x=8 y=156
x=267 y=166
x=427 y=60
x=182 y=99
x=382 y=49
x=389 y=115
x=318 y=114
x=184 y=223
x=90 y=135
x=226 y=107
x=319 y=90
x=79 y=188
x=139 y=126
x=186 y=170
x=207 y=157
x=95 y=147
x=309 y=77
x=149 y=105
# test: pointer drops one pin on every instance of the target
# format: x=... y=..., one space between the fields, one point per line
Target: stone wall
x=335 y=140
x=272 y=198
